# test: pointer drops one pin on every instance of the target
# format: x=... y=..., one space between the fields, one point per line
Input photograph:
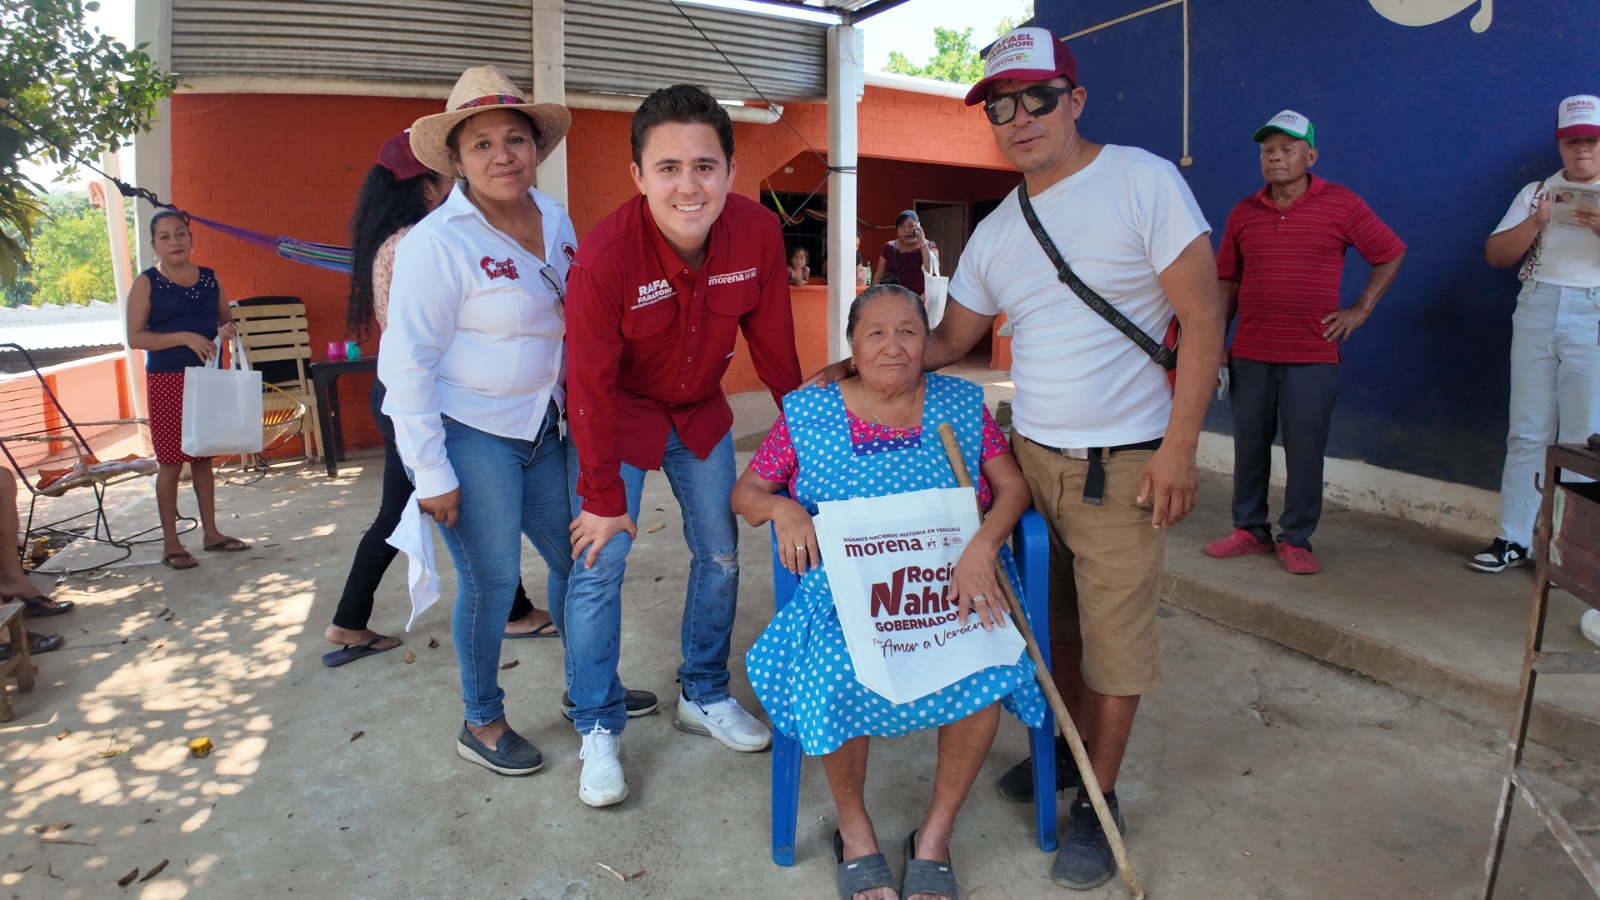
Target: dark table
x=324 y=381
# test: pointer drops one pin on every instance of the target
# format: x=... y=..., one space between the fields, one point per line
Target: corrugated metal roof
x=53 y=327
x=633 y=46
x=357 y=39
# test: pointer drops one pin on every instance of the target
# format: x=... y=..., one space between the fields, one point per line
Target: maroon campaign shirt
x=649 y=339
x=1288 y=263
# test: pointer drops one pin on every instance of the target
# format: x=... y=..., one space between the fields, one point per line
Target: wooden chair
x=51 y=455
x=276 y=342
x=20 y=665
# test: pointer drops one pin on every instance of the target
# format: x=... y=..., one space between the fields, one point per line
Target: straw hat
x=477 y=90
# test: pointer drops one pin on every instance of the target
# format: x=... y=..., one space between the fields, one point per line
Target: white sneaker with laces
x=601 y=783
x=724 y=720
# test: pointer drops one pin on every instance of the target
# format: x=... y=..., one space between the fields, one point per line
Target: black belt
x=1094 y=483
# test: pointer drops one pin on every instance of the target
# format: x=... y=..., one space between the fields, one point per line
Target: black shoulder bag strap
x=1164 y=357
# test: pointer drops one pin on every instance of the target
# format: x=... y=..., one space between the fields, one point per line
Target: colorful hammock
x=324 y=256
x=331 y=257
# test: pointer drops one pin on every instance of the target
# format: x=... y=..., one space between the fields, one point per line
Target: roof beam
x=872 y=9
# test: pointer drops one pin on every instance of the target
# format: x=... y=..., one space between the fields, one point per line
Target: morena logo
x=499 y=268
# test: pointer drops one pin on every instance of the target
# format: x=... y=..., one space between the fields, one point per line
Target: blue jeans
x=509 y=488
x=590 y=619
x=1555 y=392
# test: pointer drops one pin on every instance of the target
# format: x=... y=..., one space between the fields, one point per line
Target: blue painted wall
x=1436 y=127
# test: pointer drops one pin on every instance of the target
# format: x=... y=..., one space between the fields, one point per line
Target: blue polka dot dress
x=800 y=666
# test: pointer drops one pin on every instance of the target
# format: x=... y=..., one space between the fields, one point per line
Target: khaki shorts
x=1105 y=562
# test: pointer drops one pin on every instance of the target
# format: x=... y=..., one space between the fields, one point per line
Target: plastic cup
x=352 y=350
x=336 y=350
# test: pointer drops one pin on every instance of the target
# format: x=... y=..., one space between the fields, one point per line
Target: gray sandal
x=924 y=876
x=860 y=874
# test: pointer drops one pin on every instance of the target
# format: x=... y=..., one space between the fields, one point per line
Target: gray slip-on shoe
x=513 y=754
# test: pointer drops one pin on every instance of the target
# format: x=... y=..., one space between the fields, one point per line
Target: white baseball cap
x=1291 y=123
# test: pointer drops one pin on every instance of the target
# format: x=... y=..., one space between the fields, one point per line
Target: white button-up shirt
x=474 y=333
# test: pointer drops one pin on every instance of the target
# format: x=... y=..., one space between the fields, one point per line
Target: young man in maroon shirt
x=1279 y=265
x=656 y=295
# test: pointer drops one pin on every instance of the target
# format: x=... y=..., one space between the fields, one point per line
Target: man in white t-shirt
x=1107 y=444
x=1553 y=228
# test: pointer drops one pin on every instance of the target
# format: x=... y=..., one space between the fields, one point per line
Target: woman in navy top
x=176 y=309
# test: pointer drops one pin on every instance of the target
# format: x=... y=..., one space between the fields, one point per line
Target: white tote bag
x=889 y=561
x=936 y=291
x=222 y=408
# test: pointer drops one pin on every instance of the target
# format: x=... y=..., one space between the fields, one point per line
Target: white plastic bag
x=935 y=291
x=222 y=408
x=889 y=561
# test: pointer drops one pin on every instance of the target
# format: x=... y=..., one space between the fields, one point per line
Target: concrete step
x=1394 y=602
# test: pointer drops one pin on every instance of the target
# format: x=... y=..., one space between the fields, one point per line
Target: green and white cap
x=1291 y=123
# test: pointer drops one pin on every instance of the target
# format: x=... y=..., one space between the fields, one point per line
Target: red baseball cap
x=396 y=156
x=1025 y=54
x=1578 y=116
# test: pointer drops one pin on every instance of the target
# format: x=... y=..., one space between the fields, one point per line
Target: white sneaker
x=1589 y=624
x=726 y=721
x=601 y=783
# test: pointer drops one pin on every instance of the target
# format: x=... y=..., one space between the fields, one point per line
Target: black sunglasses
x=1039 y=100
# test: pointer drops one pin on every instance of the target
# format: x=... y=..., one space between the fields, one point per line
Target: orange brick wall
x=292 y=166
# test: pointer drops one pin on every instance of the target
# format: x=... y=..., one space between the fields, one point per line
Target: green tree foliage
x=955 y=57
x=70 y=260
x=66 y=91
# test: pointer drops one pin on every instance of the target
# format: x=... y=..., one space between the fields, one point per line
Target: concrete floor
x=1255 y=773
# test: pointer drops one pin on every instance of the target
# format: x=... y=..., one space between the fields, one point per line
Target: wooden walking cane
x=952 y=450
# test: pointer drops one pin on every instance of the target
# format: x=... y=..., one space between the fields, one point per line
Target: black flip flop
x=349 y=653
x=170 y=560
x=45 y=644
x=227 y=545
x=925 y=876
x=547 y=630
x=42 y=607
x=852 y=876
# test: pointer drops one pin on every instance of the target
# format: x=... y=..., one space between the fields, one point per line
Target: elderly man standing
x=1280 y=262
x=1107 y=445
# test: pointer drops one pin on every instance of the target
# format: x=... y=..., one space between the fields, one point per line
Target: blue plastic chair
x=1031 y=545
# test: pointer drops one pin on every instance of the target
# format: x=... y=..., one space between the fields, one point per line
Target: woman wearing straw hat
x=473 y=362
x=396 y=194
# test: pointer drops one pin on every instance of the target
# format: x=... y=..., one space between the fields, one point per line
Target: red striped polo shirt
x=1288 y=263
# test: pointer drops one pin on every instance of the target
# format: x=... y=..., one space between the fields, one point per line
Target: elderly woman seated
x=875 y=434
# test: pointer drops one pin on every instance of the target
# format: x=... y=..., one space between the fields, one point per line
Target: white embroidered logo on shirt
x=653 y=293
x=731 y=277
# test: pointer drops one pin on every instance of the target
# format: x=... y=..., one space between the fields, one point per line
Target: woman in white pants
x=1555 y=331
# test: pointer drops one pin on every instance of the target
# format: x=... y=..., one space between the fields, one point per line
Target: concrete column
x=152 y=166
x=844 y=92
x=122 y=276
x=550 y=86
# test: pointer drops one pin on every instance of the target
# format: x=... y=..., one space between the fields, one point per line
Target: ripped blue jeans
x=590 y=620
